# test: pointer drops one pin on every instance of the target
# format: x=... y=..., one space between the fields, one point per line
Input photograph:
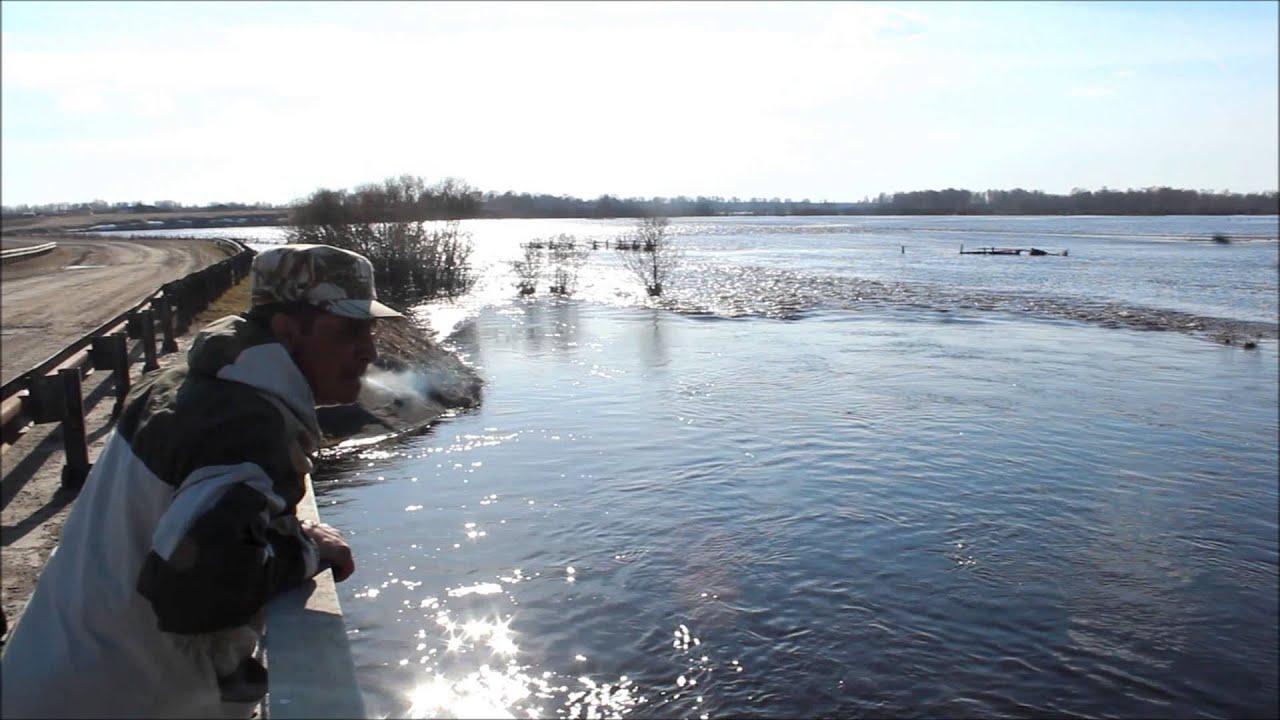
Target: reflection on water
x=836 y=481
x=893 y=484
x=1149 y=273
x=482 y=677
x=873 y=513
x=652 y=343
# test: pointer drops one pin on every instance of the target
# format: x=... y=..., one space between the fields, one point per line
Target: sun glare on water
x=499 y=687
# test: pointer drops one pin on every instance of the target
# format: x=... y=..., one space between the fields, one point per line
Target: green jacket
x=184 y=529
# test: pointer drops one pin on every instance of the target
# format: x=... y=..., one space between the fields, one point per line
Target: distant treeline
x=101 y=207
x=408 y=198
x=1147 y=201
x=1151 y=201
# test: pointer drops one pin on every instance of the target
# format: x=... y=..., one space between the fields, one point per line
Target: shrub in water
x=658 y=258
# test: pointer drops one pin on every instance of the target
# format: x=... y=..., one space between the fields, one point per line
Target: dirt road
x=48 y=302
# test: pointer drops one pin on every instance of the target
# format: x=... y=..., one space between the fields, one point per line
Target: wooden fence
x=51 y=392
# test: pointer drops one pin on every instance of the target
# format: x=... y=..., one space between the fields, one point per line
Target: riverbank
x=178 y=220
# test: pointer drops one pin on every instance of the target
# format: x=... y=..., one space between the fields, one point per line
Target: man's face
x=333 y=356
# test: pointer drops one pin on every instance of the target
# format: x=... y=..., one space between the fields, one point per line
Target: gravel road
x=50 y=301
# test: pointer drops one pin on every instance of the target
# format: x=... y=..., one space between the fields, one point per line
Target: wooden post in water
x=149 y=341
x=74 y=443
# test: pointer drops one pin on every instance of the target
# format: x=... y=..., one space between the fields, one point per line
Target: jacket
x=151 y=604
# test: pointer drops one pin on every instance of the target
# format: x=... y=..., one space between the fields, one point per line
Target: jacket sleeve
x=226 y=544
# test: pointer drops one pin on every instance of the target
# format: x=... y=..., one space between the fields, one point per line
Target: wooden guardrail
x=51 y=392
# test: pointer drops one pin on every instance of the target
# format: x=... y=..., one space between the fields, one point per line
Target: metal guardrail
x=16 y=253
x=312 y=674
x=40 y=395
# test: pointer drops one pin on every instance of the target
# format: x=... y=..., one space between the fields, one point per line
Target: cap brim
x=360 y=309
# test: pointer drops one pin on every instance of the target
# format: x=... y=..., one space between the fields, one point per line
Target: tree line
x=1147 y=201
x=136 y=206
x=409 y=198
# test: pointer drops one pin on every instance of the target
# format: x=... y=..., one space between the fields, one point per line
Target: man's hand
x=334 y=551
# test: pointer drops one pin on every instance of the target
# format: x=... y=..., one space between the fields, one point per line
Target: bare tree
x=393 y=224
x=566 y=260
x=528 y=269
x=655 y=258
x=412 y=261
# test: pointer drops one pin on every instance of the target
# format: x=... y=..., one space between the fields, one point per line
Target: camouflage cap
x=337 y=281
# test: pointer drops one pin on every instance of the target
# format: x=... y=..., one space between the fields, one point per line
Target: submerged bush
x=564 y=258
x=407 y=228
x=528 y=269
x=657 y=259
x=565 y=261
x=412 y=261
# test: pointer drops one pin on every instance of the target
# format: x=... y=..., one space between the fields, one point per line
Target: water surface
x=876 y=514
x=839 y=470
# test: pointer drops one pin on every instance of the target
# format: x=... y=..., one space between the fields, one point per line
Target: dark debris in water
x=735 y=291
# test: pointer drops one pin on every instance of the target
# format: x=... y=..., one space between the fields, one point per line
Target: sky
x=203 y=102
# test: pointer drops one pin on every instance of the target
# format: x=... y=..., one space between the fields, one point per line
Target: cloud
x=1092 y=91
x=153 y=105
x=871 y=23
x=80 y=99
x=900 y=23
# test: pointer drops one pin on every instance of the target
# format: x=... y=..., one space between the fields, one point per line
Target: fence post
x=190 y=300
x=74 y=443
x=167 y=342
x=180 y=299
x=120 y=370
x=149 y=341
x=207 y=289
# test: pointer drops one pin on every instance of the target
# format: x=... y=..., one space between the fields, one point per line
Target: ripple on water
x=851 y=515
x=733 y=290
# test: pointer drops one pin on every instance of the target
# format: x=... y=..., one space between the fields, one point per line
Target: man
x=151 y=605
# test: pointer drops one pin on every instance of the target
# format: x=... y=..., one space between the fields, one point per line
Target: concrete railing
x=310 y=673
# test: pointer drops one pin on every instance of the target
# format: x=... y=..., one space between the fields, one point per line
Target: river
x=839 y=469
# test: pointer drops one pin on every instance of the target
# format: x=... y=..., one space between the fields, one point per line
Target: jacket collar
x=238 y=350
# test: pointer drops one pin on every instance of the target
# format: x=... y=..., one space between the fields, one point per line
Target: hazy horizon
x=266 y=102
x=249 y=205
